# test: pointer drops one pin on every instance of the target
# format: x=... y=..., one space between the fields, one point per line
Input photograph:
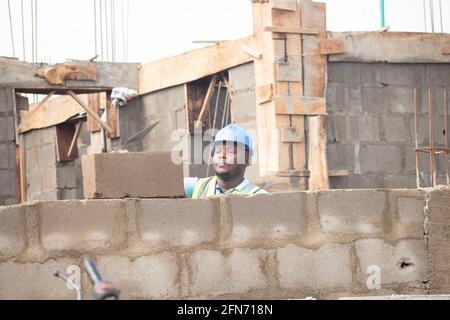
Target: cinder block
x=380 y=158
x=66 y=175
x=396 y=129
x=7 y=132
x=46 y=155
x=82 y=225
x=365 y=128
x=247 y=270
x=178 y=222
x=325 y=268
x=7 y=155
x=352 y=211
x=404 y=263
x=49 y=182
x=213 y=273
x=12 y=230
x=34 y=281
x=147 y=277
x=7 y=182
x=411 y=210
x=267 y=216
x=209 y=274
x=133 y=174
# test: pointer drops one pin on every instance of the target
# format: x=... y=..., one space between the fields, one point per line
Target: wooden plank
x=205 y=103
x=23 y=176
x=317 y=160
x=446 y=47
x=112 y=117
x=300 y=105
x=289 y=5
x=293 y=30
x=51 y=113
x=264 y=93
x=94 y=105
x=94 y=115
x=64 y=135
x=331 y=46
x=253 y=52
x=194 y=65
x=73 y=143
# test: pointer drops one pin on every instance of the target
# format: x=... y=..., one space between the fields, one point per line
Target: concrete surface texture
x=7 y=149
x=287 y=245
x=131 y=174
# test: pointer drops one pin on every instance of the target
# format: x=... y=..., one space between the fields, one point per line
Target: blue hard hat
x=234 y=133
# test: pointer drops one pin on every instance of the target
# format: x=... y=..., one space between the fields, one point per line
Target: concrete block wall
x=370 y=126
x=7 y=149
x=287 y=245
x=46 y=177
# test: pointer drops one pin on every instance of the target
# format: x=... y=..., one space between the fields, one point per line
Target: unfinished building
x=327 y=110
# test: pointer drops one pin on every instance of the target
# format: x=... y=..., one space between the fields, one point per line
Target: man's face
x=230 y=160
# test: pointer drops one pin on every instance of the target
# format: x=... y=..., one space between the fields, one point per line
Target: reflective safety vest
x=206 y=187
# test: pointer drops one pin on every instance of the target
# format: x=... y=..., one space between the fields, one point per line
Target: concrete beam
x=21 y=76
x=392 y=47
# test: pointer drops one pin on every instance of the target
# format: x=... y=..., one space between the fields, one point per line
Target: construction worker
x=231 y=156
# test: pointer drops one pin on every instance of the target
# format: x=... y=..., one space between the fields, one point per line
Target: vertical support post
x=446 y=136
x=431 y=136
x=416 y=139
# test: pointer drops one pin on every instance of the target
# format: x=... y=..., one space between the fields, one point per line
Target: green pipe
x=382 y=13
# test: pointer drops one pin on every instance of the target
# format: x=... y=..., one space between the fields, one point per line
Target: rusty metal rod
x=415 y=134
x=446 y=135
x=431 y=136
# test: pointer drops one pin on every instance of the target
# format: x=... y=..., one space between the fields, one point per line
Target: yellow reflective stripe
x=200 y=187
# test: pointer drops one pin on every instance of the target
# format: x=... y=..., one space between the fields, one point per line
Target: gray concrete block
x=66 y=175
x=49 y=179
x=34 y=281
x=178 y=222
x=338 y=98
x=325 y=268
x=349 y=73
x=403 y=263
x=267 y=216
x=215 y=274
x=372 y=100
x=7 y=132
x=12 y=230
x=341 y=156
x=398 y=100
x=364 y=128
x=396 y=129
x=411 y=210
x=365 y=181
x=242 y=76
x=69 y=194
x=7 y=182
x=352 y=211
x=398 y=181
x=7 y=156
x=337 y=128
x=147 y=277
x=46 y=155
x=371 y=73
x=82 y=225
x=380 y=158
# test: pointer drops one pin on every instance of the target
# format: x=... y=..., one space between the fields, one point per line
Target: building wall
x=371 y=122
x=7 y=149
x=287 y=245
x=46 y=177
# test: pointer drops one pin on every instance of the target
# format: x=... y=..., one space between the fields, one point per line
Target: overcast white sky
x=159 y=29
